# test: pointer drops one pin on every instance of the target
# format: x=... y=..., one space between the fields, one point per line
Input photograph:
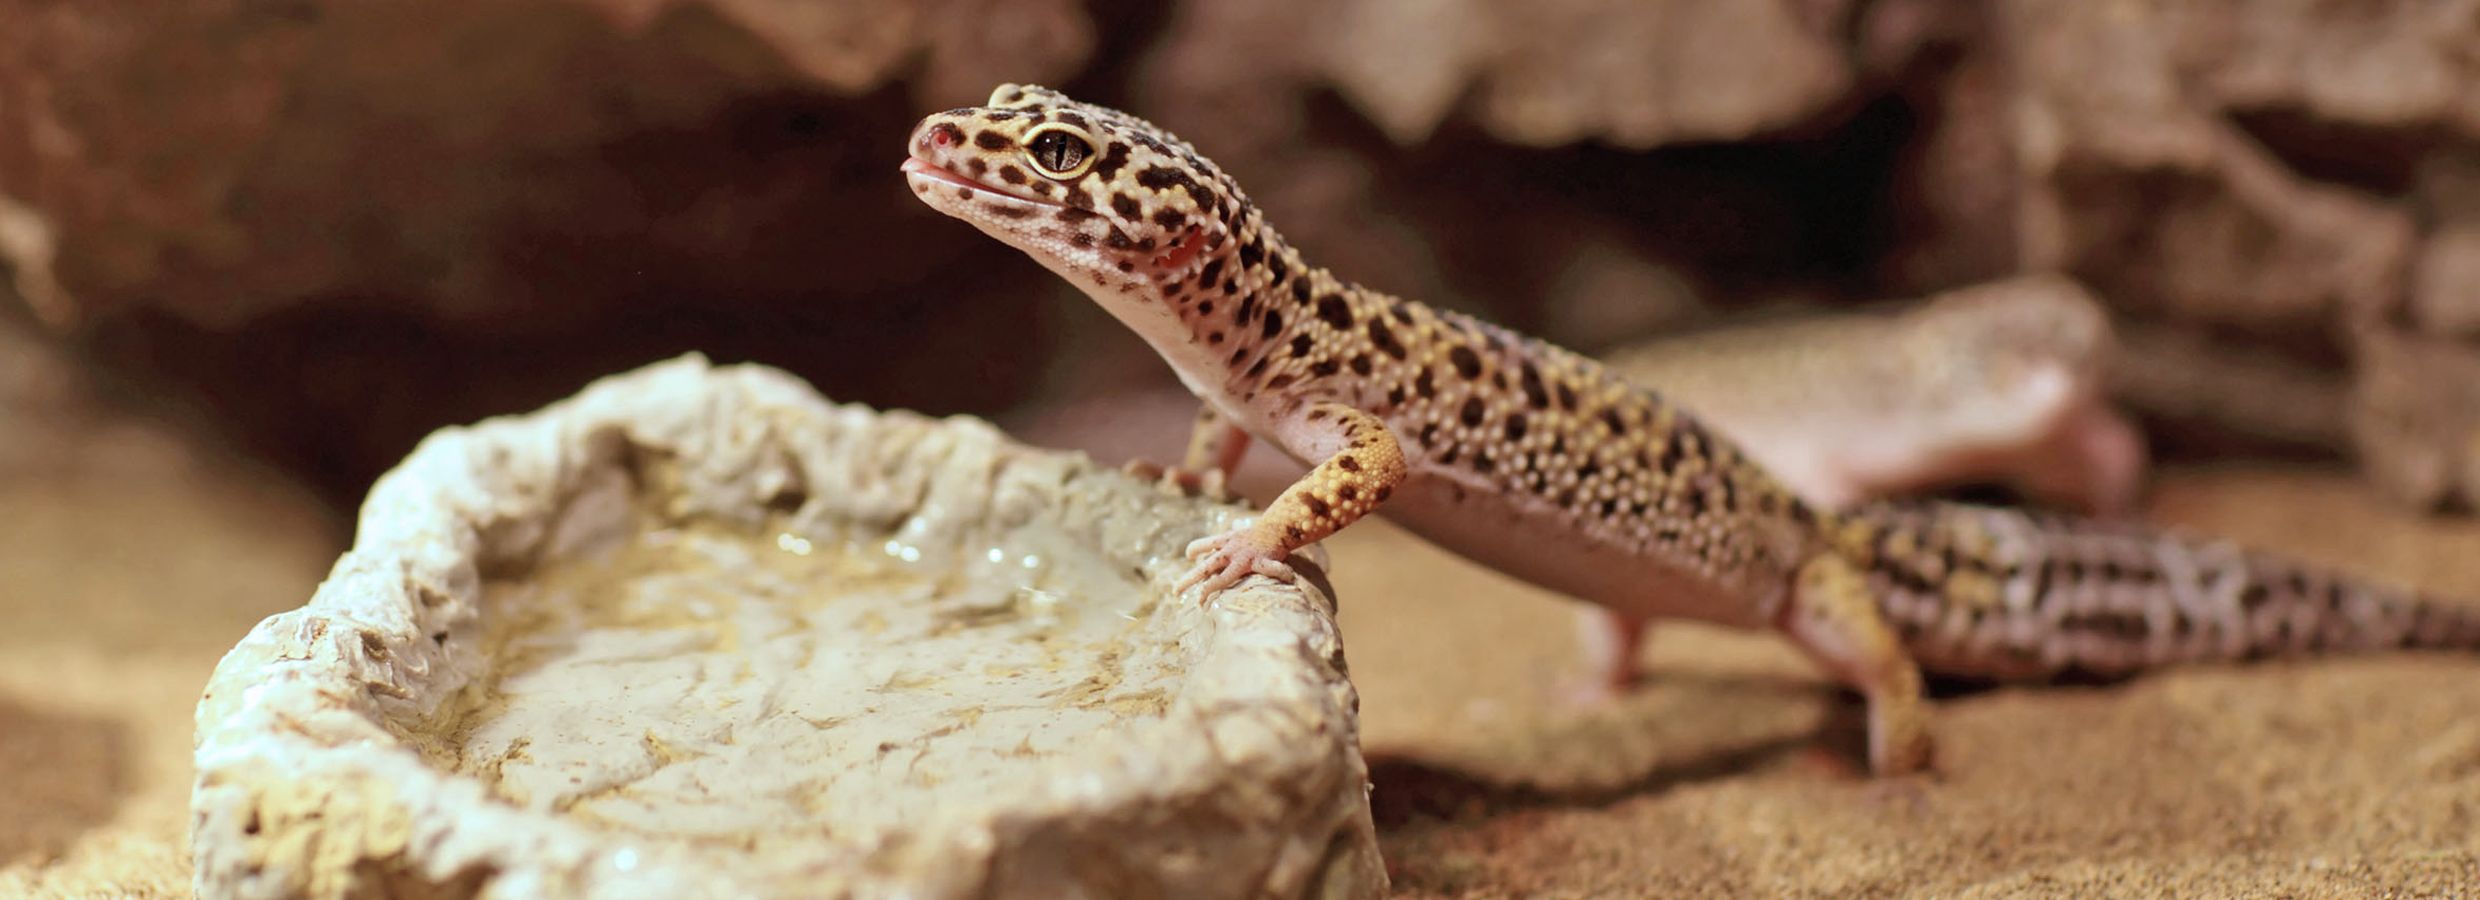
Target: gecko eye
x=1059 y=152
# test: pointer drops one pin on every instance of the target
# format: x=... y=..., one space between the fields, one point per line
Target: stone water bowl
x=698 y=632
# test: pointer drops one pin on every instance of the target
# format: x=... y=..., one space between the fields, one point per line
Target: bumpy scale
x=1541 y=463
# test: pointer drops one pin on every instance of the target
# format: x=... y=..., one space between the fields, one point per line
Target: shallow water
x=708 y=685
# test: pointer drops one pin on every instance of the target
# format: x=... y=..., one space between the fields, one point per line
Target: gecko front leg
x=1362 y=470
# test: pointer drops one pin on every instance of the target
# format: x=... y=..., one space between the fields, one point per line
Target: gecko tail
x=2013 y=594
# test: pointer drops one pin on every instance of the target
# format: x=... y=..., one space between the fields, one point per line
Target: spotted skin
x=1999 y=383
x=1544 y=464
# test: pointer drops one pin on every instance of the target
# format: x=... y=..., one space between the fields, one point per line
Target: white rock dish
x=329 y=741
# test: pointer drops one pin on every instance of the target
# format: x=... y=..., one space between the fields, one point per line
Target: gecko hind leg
x=1611 y=642
x=1834 y=620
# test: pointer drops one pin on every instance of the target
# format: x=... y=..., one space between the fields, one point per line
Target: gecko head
x=1105 y=199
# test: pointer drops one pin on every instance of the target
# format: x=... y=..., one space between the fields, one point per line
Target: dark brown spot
x=1279 y=382
x=1081 y=239
x=1316 y=506
x=1335 y=311
x=1070 y=214
x=1118 y=240
x=1384 y=338
x=1111 y=161
x=1515 y=426
x=1467 y=363
x=1204 y=309
x=1535 y=394
x=1472 y=412
x=1006 y=212
x=1360 y=364
x=1301 y=345
x=1672 y=453
x=1214 y=337
x=1423 y=385
x=1125 y=205
x=1610 y=417
x=1294 y=534
x=1171 y=219
x=1395 y=396
x=1481 y=461
x=1347 y=463
x=1325 y=367
x=964 y=193
x=1274 y=324
x=1300 y=292
x=1348 y=492
x=992 y=140
x=976 y=166
x=1164 y=178
x=1567 y=397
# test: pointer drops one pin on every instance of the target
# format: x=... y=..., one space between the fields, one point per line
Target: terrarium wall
x=321 y=229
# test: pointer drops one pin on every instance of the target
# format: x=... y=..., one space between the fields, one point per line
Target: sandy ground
x=1732 y=774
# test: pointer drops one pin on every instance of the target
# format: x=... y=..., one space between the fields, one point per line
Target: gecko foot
x=1224 y=559
x=1209 y=484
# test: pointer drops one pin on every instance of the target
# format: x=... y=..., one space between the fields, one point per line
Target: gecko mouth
x=921 y=170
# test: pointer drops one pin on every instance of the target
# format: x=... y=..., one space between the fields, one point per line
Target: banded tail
x=2011 y=594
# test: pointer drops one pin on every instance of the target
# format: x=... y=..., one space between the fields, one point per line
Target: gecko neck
x=1227 y=315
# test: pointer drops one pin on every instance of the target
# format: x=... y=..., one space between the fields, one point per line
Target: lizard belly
x=1536 y=542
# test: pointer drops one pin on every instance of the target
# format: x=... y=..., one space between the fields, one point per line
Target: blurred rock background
x=317 y=230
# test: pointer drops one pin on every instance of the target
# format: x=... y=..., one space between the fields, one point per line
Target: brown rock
x=2380 y=65
x=2415 y=417
x=2138 y=189
x=2445 y=291
x=338 y=197
x=1632 y=74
